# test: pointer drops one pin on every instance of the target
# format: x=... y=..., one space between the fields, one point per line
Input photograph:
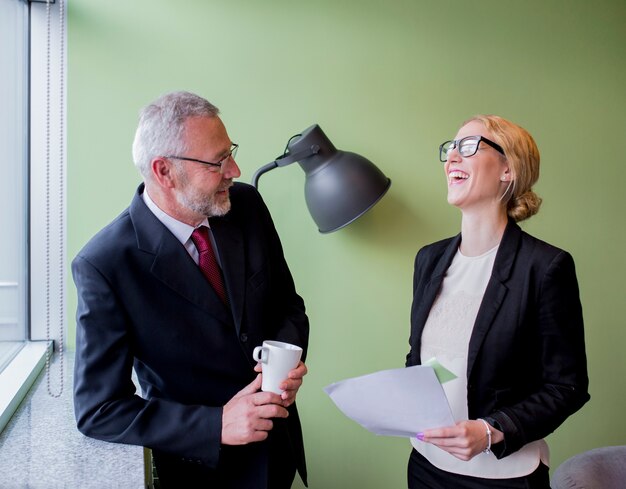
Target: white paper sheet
x=398 y=402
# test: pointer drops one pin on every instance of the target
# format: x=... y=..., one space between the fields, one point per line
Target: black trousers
x=424 y=475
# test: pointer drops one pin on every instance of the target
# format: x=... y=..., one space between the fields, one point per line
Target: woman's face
x=479 y=181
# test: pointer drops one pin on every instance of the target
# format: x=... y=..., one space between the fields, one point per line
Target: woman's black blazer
x=527 y=368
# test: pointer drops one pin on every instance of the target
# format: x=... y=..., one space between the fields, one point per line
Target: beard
x=209 y=205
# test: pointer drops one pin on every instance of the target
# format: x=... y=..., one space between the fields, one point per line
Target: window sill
x=41 y=447
x=18 y=376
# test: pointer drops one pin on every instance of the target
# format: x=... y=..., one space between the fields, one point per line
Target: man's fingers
x=300 y=371
x=261 y=398
x=247 y=417
x=259 y=436
x=268 y=411
x=264 y=425
x=291 y=384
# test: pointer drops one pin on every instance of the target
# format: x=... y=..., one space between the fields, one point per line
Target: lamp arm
x=283 y=160
x=261 y=171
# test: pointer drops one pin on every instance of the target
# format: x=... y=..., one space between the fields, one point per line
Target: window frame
x=14 y=281
x=45 y=259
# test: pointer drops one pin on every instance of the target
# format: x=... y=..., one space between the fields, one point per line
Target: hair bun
x=524 y=206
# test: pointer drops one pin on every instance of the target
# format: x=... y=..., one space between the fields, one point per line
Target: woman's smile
x=456 y=177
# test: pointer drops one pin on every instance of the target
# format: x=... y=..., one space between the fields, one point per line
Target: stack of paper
x=398 y=402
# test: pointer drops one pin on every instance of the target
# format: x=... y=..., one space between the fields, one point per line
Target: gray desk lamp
x=339 y=186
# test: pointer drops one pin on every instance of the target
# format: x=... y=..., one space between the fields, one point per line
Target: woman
x=501 y=310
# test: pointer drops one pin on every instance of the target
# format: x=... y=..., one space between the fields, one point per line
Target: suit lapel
x=431 y=290
x=496 y=291
x=172 y=265
x=229 y=241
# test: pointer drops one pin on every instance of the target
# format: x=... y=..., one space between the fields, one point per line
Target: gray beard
x=208 y=206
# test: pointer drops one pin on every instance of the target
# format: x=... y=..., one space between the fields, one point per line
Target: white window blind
x=14 y=182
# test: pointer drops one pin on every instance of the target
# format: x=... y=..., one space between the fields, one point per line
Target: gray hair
x=161 y=124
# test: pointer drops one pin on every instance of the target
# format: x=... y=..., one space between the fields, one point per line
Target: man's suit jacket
x=526 y=366
x=144 y=303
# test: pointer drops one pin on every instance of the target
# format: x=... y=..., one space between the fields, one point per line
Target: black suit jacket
x=526 y=366
x=144 y=303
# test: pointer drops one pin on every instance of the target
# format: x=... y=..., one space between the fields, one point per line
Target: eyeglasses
x=466 y=146
x=216 y=166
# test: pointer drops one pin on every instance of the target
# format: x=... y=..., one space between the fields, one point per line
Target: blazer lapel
x=440 y=270
x=172 y=264
x=430 y=292
x=229 y=241
x=496 y=291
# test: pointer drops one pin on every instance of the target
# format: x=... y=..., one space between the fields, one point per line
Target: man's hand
x=291 y=384
x=247 y=417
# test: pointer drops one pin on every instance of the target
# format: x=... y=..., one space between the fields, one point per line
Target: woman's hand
x=464 y=440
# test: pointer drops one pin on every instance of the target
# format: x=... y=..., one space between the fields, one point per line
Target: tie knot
x=200 y=238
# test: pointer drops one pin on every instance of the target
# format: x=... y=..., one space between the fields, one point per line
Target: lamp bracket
x=289 y=158
x=284 y=160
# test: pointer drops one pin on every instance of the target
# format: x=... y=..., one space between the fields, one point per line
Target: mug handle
x=260 y=354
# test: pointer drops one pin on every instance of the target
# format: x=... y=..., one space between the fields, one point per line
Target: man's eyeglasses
x=217 y=166
x=466 y=146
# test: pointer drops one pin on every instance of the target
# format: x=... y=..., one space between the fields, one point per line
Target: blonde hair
x=522 y=156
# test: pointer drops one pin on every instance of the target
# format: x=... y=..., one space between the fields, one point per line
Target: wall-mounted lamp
x=339 y=186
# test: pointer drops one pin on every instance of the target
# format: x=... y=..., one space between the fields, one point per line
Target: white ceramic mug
x=277 y=359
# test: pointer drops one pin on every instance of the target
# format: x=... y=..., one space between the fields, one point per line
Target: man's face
x=203 y=189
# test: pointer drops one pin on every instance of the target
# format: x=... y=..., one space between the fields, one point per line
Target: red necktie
x=208 y=263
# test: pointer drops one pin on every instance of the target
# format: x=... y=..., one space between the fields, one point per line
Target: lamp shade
x=339 y=186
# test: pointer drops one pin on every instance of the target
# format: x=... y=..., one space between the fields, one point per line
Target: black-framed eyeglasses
x=467 y=146
x=217 y=166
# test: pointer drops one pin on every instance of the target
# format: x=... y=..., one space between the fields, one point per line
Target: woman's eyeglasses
x=467 y=146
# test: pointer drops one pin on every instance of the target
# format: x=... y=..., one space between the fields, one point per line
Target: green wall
x=391 y=80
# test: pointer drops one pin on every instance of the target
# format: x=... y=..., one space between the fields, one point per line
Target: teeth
x=457 y=174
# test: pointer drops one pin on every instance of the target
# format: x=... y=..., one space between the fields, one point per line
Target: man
x=150 y=299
